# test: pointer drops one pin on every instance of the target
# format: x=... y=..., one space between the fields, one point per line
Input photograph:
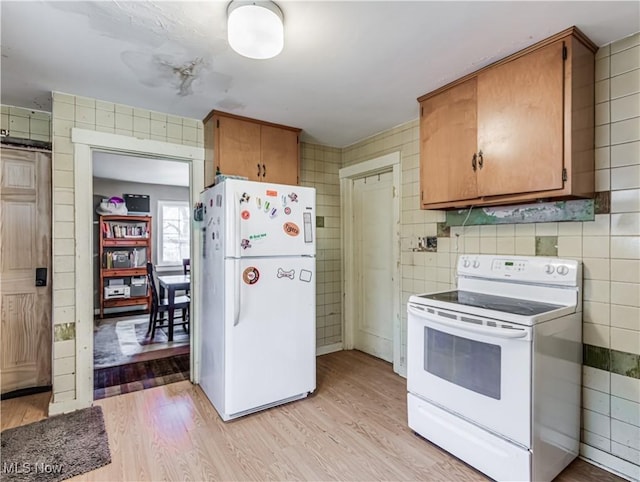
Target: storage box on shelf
x=125 y=247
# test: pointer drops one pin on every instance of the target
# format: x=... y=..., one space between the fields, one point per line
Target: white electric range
x=494 y=367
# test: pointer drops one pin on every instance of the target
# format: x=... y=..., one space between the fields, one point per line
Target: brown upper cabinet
x=260 y=151
x=518 y=130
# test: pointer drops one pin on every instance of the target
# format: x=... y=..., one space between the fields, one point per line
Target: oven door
x=472 y=366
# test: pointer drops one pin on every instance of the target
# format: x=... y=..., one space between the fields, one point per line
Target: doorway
x=126 y=355
x=85 y=143
x=370 y=200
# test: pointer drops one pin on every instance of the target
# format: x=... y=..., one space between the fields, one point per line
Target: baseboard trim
x=609 y=462
x=67 y=406
x=23 y=392
x=326 y=349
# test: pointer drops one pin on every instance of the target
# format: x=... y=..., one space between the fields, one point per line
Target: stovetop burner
x=491 y=302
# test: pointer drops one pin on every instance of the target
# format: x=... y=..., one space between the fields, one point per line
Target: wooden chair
x=159 y=306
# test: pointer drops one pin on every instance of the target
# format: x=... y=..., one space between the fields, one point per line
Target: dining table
x=169 y=284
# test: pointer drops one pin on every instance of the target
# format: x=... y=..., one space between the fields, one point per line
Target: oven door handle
x=466 y=326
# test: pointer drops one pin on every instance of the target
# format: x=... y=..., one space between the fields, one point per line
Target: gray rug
x=56 y=448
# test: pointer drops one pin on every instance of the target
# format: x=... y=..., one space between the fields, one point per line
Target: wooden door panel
x=25 y=233
x=280 y=155
x=448 y=142
x=238 y=148
x=520 y=124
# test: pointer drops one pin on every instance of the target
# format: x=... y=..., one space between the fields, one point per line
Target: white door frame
x=388 y=162
x=85 y=141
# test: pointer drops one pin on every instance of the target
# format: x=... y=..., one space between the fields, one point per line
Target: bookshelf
x=124 y=249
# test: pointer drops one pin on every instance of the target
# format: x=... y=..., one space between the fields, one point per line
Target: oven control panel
x=532 y=269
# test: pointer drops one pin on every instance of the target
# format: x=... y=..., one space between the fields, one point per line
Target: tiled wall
x=71 y=111
x=609 y=247
x=319 y=169
x=25 y=123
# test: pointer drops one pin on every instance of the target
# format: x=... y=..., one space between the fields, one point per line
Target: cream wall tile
x=546 y=229
x=108 y=106
x=625 y=84
x=65 y=111
x=627 y=270
x=625 y=154
x=625 y=293
x=525 y=229
x=141 y=125
x=105 y=118
x=595 y=440
x=595 y=246
x=625 y=43
x=488 y=246
x=596 y=290
x=603 y=157
x=59 y=97
x=602 y=88
x=625 y=107
x=595 y=401
x=595 y=268
x=85 y=114
x=525 y=246
x=64 y=383
x=603 y=114
x=570 y=246
x=597 y=335
x=626 y=224
x=603 y=51
x=625 y=131
x=64 y=366
x=625 y=340
x=624 y=452
x=123 y=121
x=625 y=387
x=598 y=227
x=627 y=201
x=625 y=410
x=596 y=379
x=506 y=230
x=597 y=313
x=603 y=135
x=603 y=180
x=623 y=247
x=505 y=246
x=627 y=317
x=570 y=229
x=625 y=177
x=625 y=434
x=596 y=423
x=85 y=102
x=603 y=68
x=624 y=61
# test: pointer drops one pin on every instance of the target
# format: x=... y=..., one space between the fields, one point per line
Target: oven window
x=467 y=363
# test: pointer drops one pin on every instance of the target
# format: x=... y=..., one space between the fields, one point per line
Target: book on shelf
x=124 y=231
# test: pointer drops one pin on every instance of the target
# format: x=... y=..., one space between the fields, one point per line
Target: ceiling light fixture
x=255 y=28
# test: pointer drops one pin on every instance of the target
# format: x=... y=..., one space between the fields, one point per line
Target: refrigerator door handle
x=237 y=294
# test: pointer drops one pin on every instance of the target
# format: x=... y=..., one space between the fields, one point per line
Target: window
x=173 y=232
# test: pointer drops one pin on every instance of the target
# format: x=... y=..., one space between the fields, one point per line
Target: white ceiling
x=348 y=69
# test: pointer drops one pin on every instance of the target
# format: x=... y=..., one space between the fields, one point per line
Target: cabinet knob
x=473 y=161
x=480 y=159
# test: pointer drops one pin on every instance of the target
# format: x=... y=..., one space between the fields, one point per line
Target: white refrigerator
x=258 y=295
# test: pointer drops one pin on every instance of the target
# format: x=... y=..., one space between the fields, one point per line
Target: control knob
x=476 y=263
x=466 y=262
x=563 y=269
x=549 y=269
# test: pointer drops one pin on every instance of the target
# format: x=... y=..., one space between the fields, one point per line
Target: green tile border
x=444 y=231
x=543 y=212
x=546 y=245
x=64 y=332
x=614 y=361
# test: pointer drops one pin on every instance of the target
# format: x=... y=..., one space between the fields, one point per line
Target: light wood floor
x=352 y=428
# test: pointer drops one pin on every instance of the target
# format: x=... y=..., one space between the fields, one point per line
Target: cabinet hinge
x=421 y=195
x=217 y=122
x=564 y=52
x=564 y=174
x=421 y=111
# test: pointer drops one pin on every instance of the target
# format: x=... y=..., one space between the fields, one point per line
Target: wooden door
x=25 y=244
x=520 y=123
x=373 y=229
x=448 y=139
x=238 y=147
x=280 y=154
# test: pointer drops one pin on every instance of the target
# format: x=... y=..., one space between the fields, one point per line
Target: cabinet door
x=448 y=143
x=238 y=147
x=520 y=124
x=280 y=153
